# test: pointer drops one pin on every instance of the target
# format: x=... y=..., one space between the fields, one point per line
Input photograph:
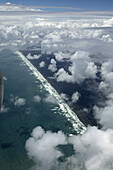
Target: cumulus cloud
x=5 y=78
x=61 y=56
x=62 y=75
x=93 y=150
x=41 y=147
x=108 y=23
x=52 y=66
x=42 y=64
x=50 y=99
x=30 y=57
x=104 y=114
x=64 y=97
x=19 y=101
x=107 y=74
x=37 y=98
x=75 y=97
x=82 y=68
x=4 y=109
x=107 y=38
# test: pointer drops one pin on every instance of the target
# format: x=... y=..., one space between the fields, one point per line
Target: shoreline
x=78 y=126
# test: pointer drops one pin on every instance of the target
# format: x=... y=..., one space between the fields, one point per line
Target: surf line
x=78 y=126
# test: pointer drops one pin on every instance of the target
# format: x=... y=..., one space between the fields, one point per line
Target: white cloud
x=93 y=150
x=8 y=3
x=52 y=66
x=37 y=98
x=41 y=148
x=107 y=74
x=42 y=64
x=4 y=109
x=62 y=75
x=50 y=99
x=82 y=68
x=54 y=37
x=61 y=56
x=104 y=114
x=75 y=97
x=12 y=7
x=30 y=57
x=67 y=36
x=108 y=23
x=64 y=97
x=19 y=101
x=5 y=78
x=86 y=110
x=107 y=38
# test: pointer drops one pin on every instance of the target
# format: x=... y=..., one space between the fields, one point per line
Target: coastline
x=78 y=126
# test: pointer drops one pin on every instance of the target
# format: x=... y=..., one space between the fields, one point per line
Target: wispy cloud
x=13 y=7
x=35 y=7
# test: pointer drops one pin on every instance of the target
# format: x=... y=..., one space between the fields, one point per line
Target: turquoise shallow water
x=17 y=122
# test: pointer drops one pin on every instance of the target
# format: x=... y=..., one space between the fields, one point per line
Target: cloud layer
x=93 y=150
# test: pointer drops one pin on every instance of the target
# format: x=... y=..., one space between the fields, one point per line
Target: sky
x=85 y=4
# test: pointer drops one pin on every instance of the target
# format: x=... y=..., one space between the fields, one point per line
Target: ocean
x=26 y=106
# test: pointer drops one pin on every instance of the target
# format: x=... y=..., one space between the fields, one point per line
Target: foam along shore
x=63 y=107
